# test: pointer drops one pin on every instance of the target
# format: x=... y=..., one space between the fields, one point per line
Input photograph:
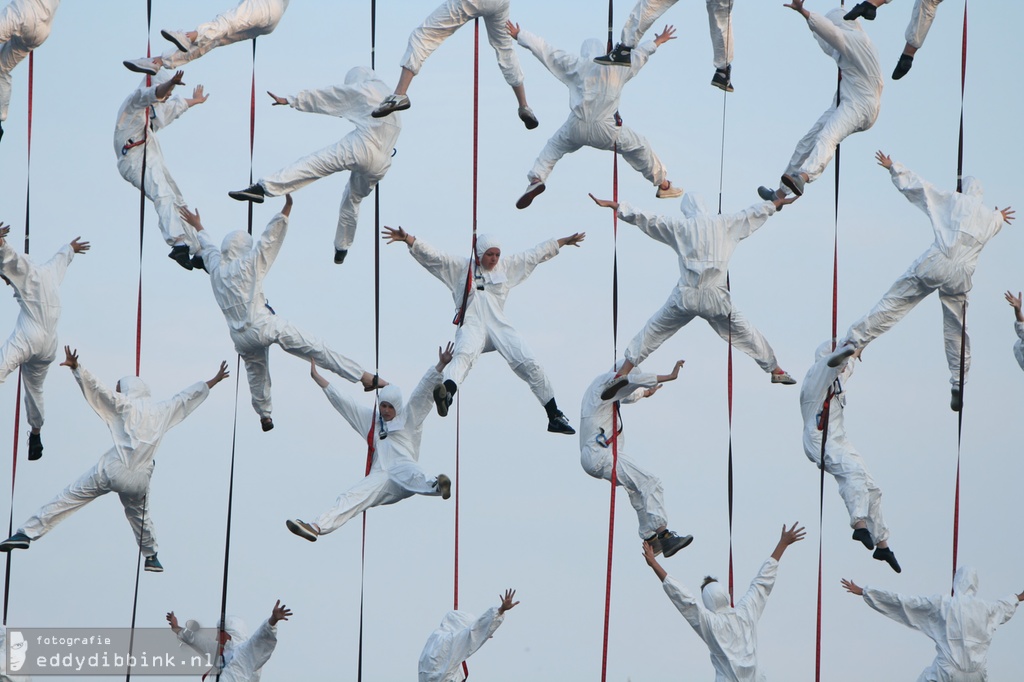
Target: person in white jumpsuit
x=859 y=97
x=729 y=633
x=858 y=489
x=366 y=151
x=961 y=626
x=485 y=327
x=32 y=346
x=646 y=12
x=1018 y=326
x=704 y=243
x=962 y=224
x=921 y=18
x=449 y=17
x=248 y=20
x=594 y=93
x=237 y=657
x=459 y=636
x=598 y=434
x=237 y=270
x=153 y=106
x=395 y=473
x=24 y=26
x=138 y=424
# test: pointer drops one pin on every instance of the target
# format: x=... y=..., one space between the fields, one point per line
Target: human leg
x=257 y=372
x=87 y=488
x=645 y=491
x=643 y=16
x=860 y=493
x=372 y=491
x=564 y=141
x=720 y=23
x=137 y=513
x=745 y=337
x=954 y=308
x=360 y=185
x=903 y=295
x=435 y=29
x=638 y=153
x=663 y=324
x=33 y=374
x=310 y=168
x=841 y=124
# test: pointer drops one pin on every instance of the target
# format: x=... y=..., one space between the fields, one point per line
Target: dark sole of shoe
x=723 y=87
x=153 y=570
x=33 y=457
x=838 y=360
x=441 y=402
x=385 y=114
x=609 y=62
x=792 y=186
x=530 y=195
x=609 y=392
x=10 y=547
x=299 y=530
x=136 y=69
x=246 y=196
x=168 y=37
x=530 y=123
x=266 y=426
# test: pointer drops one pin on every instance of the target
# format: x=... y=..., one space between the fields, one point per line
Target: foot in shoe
x=902 y=66
x=528 y=118
x=863 y=536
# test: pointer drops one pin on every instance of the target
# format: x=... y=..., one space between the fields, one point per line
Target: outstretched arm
x=605 y=203
x=198 y=97
x=561 y=64
x=393 y=235
x=280 y=612
x=788 y=537
x=852 y=587
x=653 y=562
x=220 y=376
x=798 y=6
x=572 y=239
x=164 y=90
x=506 y=602
x=444 y=356
x=674 y=374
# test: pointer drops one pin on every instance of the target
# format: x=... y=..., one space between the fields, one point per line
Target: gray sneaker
x=956 y=400
x=672 y=543
x=528 y=118
x=536 y=187
x=391 y=104
x=444 y=486
x=179 y=38
x=795 y=183
x=153 y=565
x=782 y=378
x=840 y=354
x=767 y=193
x=143 y=65
x=302 y=529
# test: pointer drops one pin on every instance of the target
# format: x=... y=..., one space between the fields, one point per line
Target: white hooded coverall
x=243 y=657
x=450 y=17
x=962 y=224
x=730 y=633
x=394 y=471
x=485 y=327
x=921 y=18
x=246 y=21
x=131 y=140
x=1018 y=345
x=138 y=425
x=33 y=343
x=366 y=151
x=860 y=92
x=646 y=12
x=594 y=93
x=458 y=637
x=644 y=490
x=858 y=489
x=962 y=626
x=237 y=271
x=24 y=26
x=704 y=243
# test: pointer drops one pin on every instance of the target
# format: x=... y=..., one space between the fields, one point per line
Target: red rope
x=14 y=475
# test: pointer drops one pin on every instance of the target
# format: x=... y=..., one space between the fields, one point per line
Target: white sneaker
x=304 y=530
x=391 y=104
x=840 y=354
x=179 y=38
x=536 y=187
x=143 y=65
x=670 y=192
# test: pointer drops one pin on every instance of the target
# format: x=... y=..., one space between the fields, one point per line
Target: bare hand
x=278 y=101
x=513 y=30
x=317 y=377
x=445 y=356
x=176 y=78
x=4 y=231
x=793 y=534
x=1008 y=214
x=393 y=235
x=222 y=374
x=652 y=390
x=1013 y=300
x=784 y=201
x=197 y=96
x=287 y=210
x=173 y=621
x=883 y=160
x=649 y=554
x=797 y=5
x=572 y=240
x=605 y=203
x=857 y=353
x=191 y=218
x=506 y=602
x=674 y=374
x=852 y=587
x=280 y=612
x=669 y=33
x=70 y=358
x=79 y=247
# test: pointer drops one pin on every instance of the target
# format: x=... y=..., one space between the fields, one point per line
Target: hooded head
x=456 y=621
x=715 y=597
x=132 y=387
x=236 y=245
x=965 y=582
x=358 y=74
x=392 y=395
x=592 y=47
x=484 y=243
x=692 y=205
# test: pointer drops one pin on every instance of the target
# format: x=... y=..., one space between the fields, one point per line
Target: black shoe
x=955 y=399
x=528 y=118
x=35 y=447
x=613 y=387
x=620 y=56
x=253 y=193
x=266 y=423
x=442 y=399
x=179 y=254
x=559 y=424
x=1 y=130
x=861 y=9
x=197 y=263
x=863 y=536
x=17 y=541
x=339 y=256
x=153 y=565
x=672 y=543
x=902 y=66
x=885 y=554
x=723 y=79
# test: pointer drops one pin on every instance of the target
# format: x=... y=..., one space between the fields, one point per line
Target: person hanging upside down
x=704 y=243
x=395 y=473
x=594 y=93
x=730 y=633
x=961 y=626
x=597 y=436
x=138 y=425
x=962 y=225
x=32 y=346
x=858 y=489
x=145 y=112
x=646 y=12
x=246 y=21
x=459 y=636
x=859 y=98
x=484 y=327
x=921 y=18
x=366 y=151
x=24 y=26
x=237 y=270
x=449 y=17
